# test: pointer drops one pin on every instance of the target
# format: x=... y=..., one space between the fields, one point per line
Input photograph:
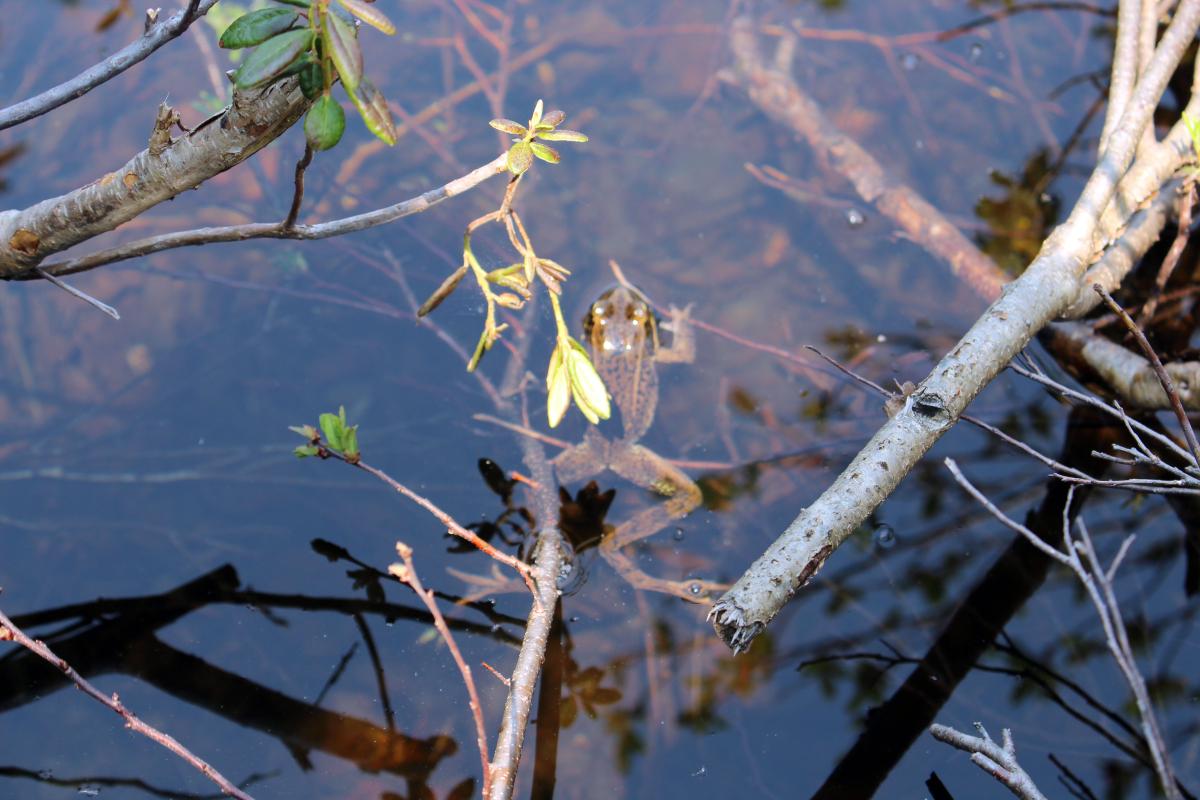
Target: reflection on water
x=156 y=530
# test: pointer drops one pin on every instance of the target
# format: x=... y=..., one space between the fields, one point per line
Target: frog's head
x=619 y=321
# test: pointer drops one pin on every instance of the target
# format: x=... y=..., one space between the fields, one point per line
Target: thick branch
x=155 y=37
x=252 y=121
x=1046 y=288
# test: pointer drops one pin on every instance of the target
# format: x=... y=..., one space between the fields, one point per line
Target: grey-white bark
x=1047 y=287
x=253 y=120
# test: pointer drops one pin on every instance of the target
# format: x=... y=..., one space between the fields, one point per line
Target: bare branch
x=155 y=37
x=1042 y=292
x=10 y=631
x=998 y=761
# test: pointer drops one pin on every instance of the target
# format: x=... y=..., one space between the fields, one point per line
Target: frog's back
x=620 y=329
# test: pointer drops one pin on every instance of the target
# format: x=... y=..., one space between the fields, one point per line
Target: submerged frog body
x=623 y=338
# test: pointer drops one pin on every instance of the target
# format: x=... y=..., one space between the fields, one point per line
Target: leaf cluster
x=335 y=438
x=316 y=41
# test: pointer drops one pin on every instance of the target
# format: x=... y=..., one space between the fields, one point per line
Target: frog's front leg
x=683 y=340
x=650 y=471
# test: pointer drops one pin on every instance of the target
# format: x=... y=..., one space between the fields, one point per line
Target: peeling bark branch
x=1046 y=288
x=253 y=120
x=154 y=37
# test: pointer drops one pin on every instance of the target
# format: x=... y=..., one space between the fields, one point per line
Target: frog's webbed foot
x=649 y=470
x=692 y=590
x=683 y=341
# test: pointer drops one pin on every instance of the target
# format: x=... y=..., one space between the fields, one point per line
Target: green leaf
x=256 y=27
x=520 y=158
x=562 y=136
x=341 y=42
x=271 y=58
x=545 y=153
x=370 y=15
x=373 y=107
x=325 y=123
x=304 y=451
x=350 y=440
x=296 y=3
x=334 y=427
x=508 y=126
x=312 y=80
x=307 y=431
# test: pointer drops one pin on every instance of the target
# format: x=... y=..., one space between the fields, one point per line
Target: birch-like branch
x=253 y=120
x=1045 y=289
x=157 y=34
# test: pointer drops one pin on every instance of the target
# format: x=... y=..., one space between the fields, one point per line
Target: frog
x=622 y=337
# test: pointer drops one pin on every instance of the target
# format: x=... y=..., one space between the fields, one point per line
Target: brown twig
x=407 y=573
x=1163 y=378
x=451 y=525
x=1186 y=200
x=10 y=631
x=298 y=194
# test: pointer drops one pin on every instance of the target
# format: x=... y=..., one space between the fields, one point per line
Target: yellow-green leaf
x=520 y=158
x=508 y=126
x=564 y=135
x=545 y=153
x=370 y=15
x=373 y=107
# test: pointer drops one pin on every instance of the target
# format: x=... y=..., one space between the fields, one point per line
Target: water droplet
x=976 y=52
x=885 y=537
x=696 y=589
x=919 y=144
x=910 y=61
x=677 y=535
x=881 y=338
x=574 y=619
x=496 y=629
x=855 y=218
x=45 y=774
x=1046 y=198
x=89 y=790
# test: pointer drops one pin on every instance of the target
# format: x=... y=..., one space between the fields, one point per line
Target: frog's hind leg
x=582 y=461
x=649 y=470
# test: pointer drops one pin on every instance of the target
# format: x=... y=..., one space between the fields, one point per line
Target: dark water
x=152 y=454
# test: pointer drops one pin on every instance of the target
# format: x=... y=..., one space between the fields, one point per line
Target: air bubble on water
x=910 y=61
x=855 y=218
x=695 y=589
x=45 y=774
x=881 y=338
x=976 y=52
x=885 y=537
x=677 y=534
x=574 y=619
x=89 y=790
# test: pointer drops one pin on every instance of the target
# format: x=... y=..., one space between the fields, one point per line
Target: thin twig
x=276 y=230
x=1186 y=200
x=79 y=293
x=10 y=631
x=1163 y=378
x=109 y=68
x=407 y=573
x=451 y=525
x=298 y=193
